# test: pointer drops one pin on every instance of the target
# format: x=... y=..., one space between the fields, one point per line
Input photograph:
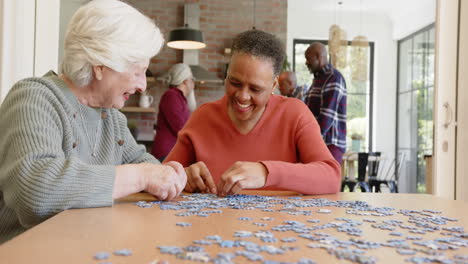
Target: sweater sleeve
x=38 y=179
x=317 y=173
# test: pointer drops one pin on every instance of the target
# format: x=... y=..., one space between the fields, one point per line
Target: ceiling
x=391 y=8
x=367 y=5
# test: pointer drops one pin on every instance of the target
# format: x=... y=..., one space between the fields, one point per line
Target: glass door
x=415 y=108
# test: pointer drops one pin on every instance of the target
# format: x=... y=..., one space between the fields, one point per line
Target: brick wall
x=220 y=21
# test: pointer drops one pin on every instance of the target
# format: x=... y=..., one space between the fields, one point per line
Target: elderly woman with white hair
x=65 y=145
x=174 y=109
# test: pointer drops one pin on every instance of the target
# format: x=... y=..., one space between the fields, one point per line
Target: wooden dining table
x=77 y=235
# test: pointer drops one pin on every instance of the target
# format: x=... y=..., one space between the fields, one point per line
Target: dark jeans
x=336 y=153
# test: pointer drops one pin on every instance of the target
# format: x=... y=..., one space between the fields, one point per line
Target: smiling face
x=112 y=88
x=249 y=83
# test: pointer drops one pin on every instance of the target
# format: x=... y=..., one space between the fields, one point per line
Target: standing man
x=326 y=99
x=288 y=86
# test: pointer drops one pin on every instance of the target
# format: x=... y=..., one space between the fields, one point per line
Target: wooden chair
x=391 y=176
x=363 y=159
x=373 y=172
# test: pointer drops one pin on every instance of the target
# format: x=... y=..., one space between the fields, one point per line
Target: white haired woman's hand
x=164 y=182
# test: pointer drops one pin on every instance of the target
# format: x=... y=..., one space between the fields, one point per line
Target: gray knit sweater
x=46 y=139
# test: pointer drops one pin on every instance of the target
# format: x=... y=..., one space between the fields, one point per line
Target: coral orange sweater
x=286 y=140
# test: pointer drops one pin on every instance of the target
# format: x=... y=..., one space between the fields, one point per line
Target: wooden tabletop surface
x=75 y=236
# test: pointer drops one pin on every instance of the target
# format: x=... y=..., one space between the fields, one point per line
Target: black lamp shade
x=186 y=38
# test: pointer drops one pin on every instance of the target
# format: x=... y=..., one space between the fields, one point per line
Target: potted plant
x=356 y=142
x=286 y=65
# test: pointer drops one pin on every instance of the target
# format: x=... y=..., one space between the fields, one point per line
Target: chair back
x=400 y=161
x=396 y=163
x=373 y=164
x=363 y=159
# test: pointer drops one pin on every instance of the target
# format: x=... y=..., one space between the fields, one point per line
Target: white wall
x=17 y=42
x=1 y=46
x=305 y=23
x=29 y=40
x=67 y=9
x=47 y=36
x=412 y=17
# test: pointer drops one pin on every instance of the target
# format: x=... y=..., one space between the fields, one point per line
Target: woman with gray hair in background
x=174 y=109
x=65 y=145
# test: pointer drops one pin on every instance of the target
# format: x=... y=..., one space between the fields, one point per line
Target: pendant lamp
x=359 y=54
x=186 y=38
x=254 y=5
x=359 y=58
x=337 y=44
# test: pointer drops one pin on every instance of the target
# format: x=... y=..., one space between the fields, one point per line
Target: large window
x=359 y=99
x=415 y=107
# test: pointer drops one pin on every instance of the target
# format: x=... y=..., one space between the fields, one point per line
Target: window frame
x=400 y=42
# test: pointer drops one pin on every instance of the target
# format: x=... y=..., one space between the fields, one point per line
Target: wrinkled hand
x=166 y=181
x=242 y=175
x=199 y=179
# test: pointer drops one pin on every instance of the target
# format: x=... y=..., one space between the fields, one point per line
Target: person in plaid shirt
x=326 y=98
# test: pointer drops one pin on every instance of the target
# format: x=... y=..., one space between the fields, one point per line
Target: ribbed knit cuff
x=102 y=186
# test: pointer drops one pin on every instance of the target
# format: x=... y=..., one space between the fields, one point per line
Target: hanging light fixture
x=359 y=54
x=334 y=40
x=359 y=58
x=337 y=44
x=253 y=13
x=186 y=38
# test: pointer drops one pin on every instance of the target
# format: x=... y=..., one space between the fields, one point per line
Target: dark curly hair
x=262 y=45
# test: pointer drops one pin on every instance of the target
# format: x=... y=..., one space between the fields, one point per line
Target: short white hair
x=178 y=73
x=109 y=33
